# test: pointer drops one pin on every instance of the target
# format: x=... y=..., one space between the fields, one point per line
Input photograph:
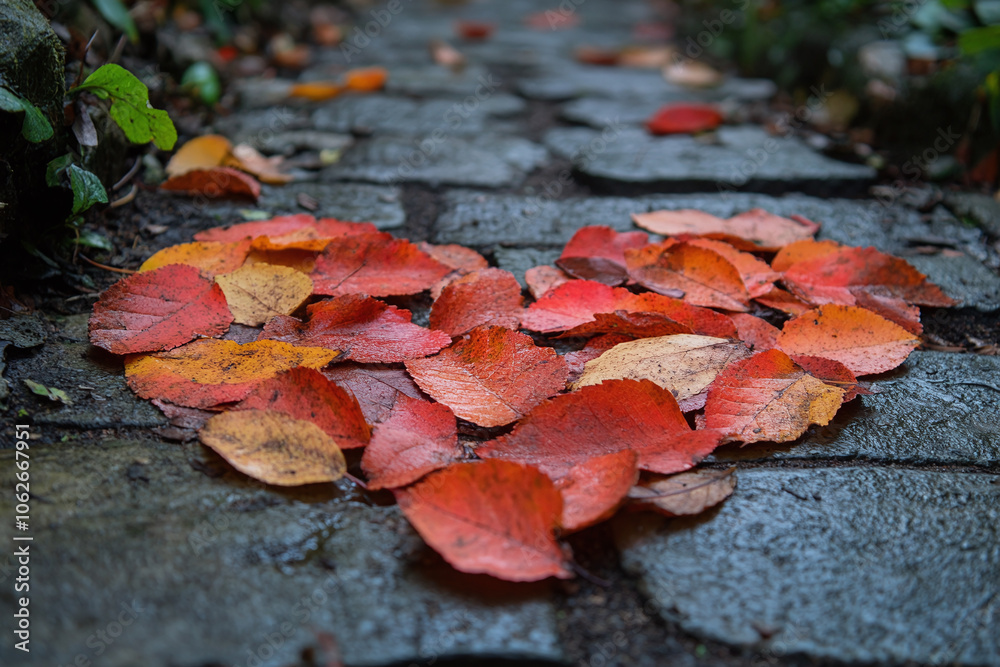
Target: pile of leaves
x=277 y=340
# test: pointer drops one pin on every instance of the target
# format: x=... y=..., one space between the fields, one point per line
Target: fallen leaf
x=214 y=183
x=598 y=253
x=758 y=334
x=201 y=153
x=594 y=348
x=158 y=310
x=543 y=279
x=757 y=276
x=692 y=74
x=490 y=517
x=446 y=55
x=786 y=302
x=552 y=19
x=702 y=276
x=632 y=325
x=684 y=118
x=686 y=493
x=377 y=388
x=286 y=230
x=768 y=231
x=304 y=393
x=419 y=437
x=593 y=55
x=801 y=251
x=274 y=448
x=362 y=328
x=486 y=296
x=890 y=307
x=594 y=489
x=683 y=364
x=209 y=372
x=259 y=292
x=374 y=264
x=317 y=91
x=573 y=428
x=858 y=338
x=832 y=372
x=769 y=397
x=474 y=30
x=836 y=276
x=491 y=377
x=455 y=257
x=51 y=393
x=266 y=169
x=210 y=258
x=366 y=79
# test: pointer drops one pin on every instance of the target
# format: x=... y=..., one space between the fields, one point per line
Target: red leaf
x=364 y=329
x=702 y=276
x=577 y=302
x=286 y=227
x=486 y=296
x=376 y=388
x=418 y=437
x=491 y=517
x=766 y=230
x=492 y=377
x=757 y=276
x=832 y=372
x=891 y=308
x=375 y=264
x=455 y=257
x=543 y=279
x=786 y=302
x=594 y=489
x=858 y=338
x=594 y=348
x=600 y=419
x=303 y=393
x=216 y=182
x=834 y=277
x=768 y=397
x=632 y=325
x=158 y=310
x=474 y=29
x=756 y=333
x=598 y=253
x=683 y=118
x=800 y=251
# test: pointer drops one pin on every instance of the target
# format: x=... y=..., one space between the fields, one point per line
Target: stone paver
x=952 y=397
x=627 y=160
x=600 y=112
x=851 y=564
x=399 y=115
x=223 y=571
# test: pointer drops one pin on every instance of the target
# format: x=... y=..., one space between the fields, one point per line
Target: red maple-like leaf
x=756 y=333
x=158 y=310
x=362 y=328
x=700 y=276
x=598 y=253
x=492 y=377
x=758 y=229
x=303 y=393
x=376 y=387
x=286 y=227
x=492 y=517
x=485 y=296
x=215 y=182
x=593 y=490
x=684 y=118
x=374 y=264
x=419 y=437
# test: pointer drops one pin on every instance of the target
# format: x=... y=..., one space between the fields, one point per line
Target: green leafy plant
x=130 y=107
x=116 y=13
x=36 y=127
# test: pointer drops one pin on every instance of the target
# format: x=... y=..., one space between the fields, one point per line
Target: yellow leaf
x=210 y=257
x=202 y=152
x=257 y=292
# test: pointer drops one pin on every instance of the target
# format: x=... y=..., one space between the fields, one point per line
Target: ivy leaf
x=93 y=239
x=36 y=127
x=115 y=13
x=54 y=169
x=50 y=393
x=87 y=189
x=130 y=106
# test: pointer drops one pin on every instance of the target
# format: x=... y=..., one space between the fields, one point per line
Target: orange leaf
x=490 y=517
x=259 y=292
x=766 y=230
x=492 y=377
x=217 y=182
x=287 y=229
x=419 y=437
x=304 y=393
x=800 y=251
x=768 y=397
x=891 y=308
x=486 y=296
x=317 y=91
x=786 y=302
x=684 y=118
x=757 y=276
x=210 y=258
x=209 y=372
x=249 y=159
x=593 y=490
x=364 y=329
x=609 y=417
x=834 y=277
x=756 y=333
x=204 y=152
x=455 y=257
x=598 y=253
x=702 y=276
x=831 y=372
x=366 y=80
x=158 y=310
x=632 y=325
x=375 y=264
x=377 y=388
x=274 y=448
x=858 y=338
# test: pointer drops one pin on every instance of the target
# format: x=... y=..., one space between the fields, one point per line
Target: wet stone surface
x=219 y=570
x=628 y=161
x=849 y=564
x=952 y=397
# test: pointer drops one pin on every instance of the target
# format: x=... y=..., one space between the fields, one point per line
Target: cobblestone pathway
x=875 y=539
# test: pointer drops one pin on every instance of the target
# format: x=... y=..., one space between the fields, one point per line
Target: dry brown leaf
x=685 y=493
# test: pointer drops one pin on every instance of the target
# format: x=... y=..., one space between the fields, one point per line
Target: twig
x=124 y=199
x=105 y=266
x=128 y=176
x=119 y=47
x=357 y=481
x=83 y=60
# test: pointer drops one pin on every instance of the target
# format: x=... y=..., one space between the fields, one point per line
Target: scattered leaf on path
x=204 y=152
x=491 y=517
x=486 y=296
x=259 y=292
x=377 y=388
x=375 y=264
x=274 y=448
x=543 y=279
x=210 y=258
x=51 y=393
x=758 y=334
x=686 y=493
x=217 y=182
x=594 y=489
x=700 y=276
x=598 y=253
x=684 y=118
x=765 y=229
